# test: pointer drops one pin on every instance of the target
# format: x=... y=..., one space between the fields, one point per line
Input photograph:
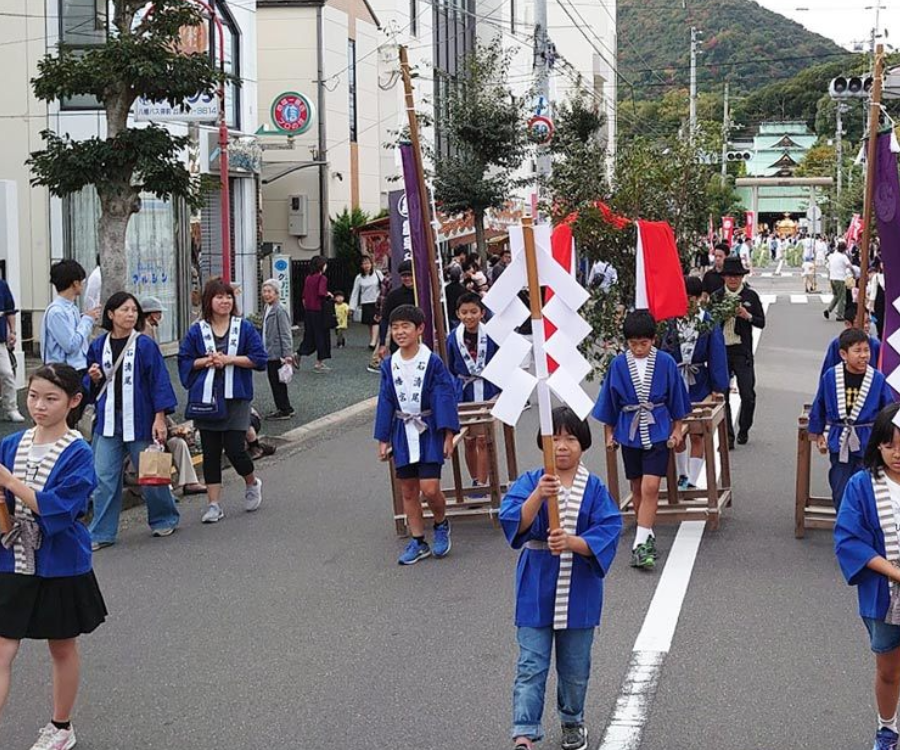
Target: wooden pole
x=537 y=323
x=437 y=313
x=5 y=521
x=869 y=201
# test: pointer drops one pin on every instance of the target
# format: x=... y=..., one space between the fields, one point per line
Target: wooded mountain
x=742 y=43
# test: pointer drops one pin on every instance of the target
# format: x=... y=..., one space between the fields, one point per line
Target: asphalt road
x=295 y=627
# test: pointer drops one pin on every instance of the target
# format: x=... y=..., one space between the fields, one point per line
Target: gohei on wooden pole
x=440 y=332
x=540 y=363
x=869 y=202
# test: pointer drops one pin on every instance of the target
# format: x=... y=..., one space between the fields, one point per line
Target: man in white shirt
x=839 y=269
x=745 y=255
x=92 y=288
x=603 y=276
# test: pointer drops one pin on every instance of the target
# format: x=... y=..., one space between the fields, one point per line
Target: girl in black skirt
x=47 y=585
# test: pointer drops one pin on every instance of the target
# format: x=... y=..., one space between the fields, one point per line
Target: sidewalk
x=313 y=395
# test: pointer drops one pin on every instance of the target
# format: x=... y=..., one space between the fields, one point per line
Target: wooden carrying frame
x=810 y=511
x=460 y=500
x=707 y=419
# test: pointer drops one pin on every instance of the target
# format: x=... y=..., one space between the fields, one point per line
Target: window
x=82 y=25
x=454 y=38
x=351 y=86
x=232 y=61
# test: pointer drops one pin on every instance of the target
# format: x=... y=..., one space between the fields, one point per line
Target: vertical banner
x=728 y=229
x=749 y=225
x=400 y=249
x=854 y=231
x=281 y=270
x=886 y=202
x=416 y=216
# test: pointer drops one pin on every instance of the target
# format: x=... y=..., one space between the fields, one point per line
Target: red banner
x=728 y=229
x=855 y=230
x=749 y=225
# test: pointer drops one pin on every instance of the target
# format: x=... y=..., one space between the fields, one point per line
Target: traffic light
x=738 y=156
x=851 y=87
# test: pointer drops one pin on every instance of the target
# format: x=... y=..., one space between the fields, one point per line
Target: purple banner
x=400 y=249
x=416 y=236
x=887 y=215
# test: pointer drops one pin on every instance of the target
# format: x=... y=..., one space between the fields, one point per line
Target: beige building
x=328 y=54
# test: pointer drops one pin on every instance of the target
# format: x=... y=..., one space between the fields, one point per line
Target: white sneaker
x=51 y=738
x=253 y=496
x=14 y=416
x=212 y=514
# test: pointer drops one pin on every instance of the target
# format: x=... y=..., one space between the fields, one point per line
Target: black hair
x=469 y=298
x=460 y=250
x=317 y=264
x=362 y=260
x=114 y=303
x=693 y=286
x=65 y=273
x=841 y=246
x=639 y=324
x=64 y=377
x=470 y=263
x=566 y=419
x=723 y=246
x=882 y=434
x=850 y=310
x=851 y=336
x=338 y=293
x=408 y=314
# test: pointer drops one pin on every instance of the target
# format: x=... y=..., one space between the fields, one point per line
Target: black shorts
x=641 y=462
x=419 y=471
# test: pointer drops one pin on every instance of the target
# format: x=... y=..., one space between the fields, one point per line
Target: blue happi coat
x=709 y=363
x=438 y=396
x=192 y=347
x=153 y=390
x=456 y=364
x=66 y=546
x=666 y=389
x=858 y=538
x=824 y=410
x=833 y=355
x=599 y=524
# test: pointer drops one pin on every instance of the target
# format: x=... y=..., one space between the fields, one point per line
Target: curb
x=357 y=413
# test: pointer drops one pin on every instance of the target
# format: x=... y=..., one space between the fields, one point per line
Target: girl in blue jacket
x=47 y=586
x=216 y=363
x=867 y=544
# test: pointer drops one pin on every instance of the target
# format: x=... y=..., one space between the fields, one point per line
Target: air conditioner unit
x=298 y=215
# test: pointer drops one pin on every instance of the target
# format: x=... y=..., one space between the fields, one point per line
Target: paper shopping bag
x=155 y=467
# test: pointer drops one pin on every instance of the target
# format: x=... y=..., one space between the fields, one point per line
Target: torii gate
x=755 y=183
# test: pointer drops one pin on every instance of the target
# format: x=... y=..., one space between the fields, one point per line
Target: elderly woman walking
x=279 y=344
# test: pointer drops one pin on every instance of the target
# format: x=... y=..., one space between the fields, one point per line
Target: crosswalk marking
x=799 y=299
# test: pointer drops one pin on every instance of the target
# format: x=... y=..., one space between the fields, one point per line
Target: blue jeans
x=573 y=670
x=839 y=474
x=109 y=462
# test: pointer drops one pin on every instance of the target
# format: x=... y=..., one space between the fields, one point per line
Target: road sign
x=541 y=129
x=281 y=270
x=292 y=113
x=540 y=106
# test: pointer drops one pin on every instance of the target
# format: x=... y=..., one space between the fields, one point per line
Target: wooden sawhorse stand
x=810 y=511
x=706 y=419
x=470 y=501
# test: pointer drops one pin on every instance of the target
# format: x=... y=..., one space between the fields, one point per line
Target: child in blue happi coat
x=416 y=419
x=48 y=591
x=867 y=545
x=849 y=398
x=698 y=347
x=642 y=404
x=469 y=349
x=559 y=580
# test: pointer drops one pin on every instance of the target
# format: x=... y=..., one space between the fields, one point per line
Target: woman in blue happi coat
x=867 y=545
x=128 y=382
x=698 y=347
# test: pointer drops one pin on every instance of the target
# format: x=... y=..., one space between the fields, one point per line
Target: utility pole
x=541 y=69
x=726 y=134
x=695 y=34
x=839 y=154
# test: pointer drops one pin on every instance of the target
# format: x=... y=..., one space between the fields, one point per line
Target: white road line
x=799 y=299
x=625 y=729
x=778 y=268
x=766 y=275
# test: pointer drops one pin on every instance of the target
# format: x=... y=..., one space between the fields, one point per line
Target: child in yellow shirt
x=342 y=313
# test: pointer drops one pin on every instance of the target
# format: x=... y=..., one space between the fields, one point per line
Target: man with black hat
x=739 y=343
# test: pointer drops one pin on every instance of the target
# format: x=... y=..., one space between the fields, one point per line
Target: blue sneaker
x=414 y=552
x=885 y=739
x=441 y=545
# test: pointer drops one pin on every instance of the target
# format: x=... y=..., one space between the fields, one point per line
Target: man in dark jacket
x=739 y=344
x=712 y=279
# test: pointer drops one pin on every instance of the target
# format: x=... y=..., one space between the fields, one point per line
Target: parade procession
x=473 y=374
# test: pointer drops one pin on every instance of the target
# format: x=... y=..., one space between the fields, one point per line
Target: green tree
x=343 y=240
x=139 y=59
x=486 y=133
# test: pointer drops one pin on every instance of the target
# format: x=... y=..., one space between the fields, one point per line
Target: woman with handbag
x=364 y=296
x=279 y=344
x=129 y=385
x=316 y=334
x=216 y=363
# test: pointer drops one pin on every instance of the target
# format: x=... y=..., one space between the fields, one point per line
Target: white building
x=159 y=250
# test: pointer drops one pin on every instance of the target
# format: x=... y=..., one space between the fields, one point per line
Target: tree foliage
x=139 y=59
x=486 y=133
x=344 y=242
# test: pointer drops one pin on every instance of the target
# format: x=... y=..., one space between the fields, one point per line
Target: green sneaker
x=643 y=556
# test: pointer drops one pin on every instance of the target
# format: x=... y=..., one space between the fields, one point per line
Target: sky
x=844 y=21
